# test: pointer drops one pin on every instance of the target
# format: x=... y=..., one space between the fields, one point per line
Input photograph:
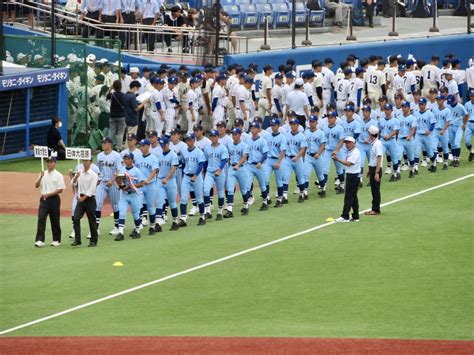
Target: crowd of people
x=411 y=112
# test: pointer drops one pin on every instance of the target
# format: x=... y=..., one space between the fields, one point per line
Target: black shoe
x=393 y=178
x=285 y=201
x=201 y=222
x=471 y=156
x=411 y=174
x=170 y=50
x=269 y=201
x=300 y=199
x=445 y=166
x=219 y=217
x=361 y=185
x=119 y=237
x=158 y=228
x=278 y=204
x=208 y=216
x=339 y=190
x=151 y=231
x=432 y=169
x=92 y=245
x=245 y=211
x=75 y=244
x=263 y=207
x=458 y=163
x=416 y=171
x=174 y=226
x=306 y=196
x=182 y=223
x=399 y=176
x=228 y=214
x=135 y=235
x=322 y=194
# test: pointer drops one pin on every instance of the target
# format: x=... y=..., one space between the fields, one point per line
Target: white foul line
x=217 y=261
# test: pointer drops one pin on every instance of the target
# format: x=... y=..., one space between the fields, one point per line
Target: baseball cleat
x=119 y=237
x=151 y=231
x=89 y=236
x=278 y=204
x=322 y=194
x=404 y=167
x=361 y=185
x=75 y=244
x=432 y=169
x=193 y=211
x=411 y=174
x=135 y=234
x=285 y=201
x=393 y=178
x=263 y=207
x=424 y=163
x=182 y=223
x=354 y=219
x=158 y=228
x=174 y=226
x=219 y=217
x=245 y=211
x=201 y=222
x=269 y=201
x=439 y=159
x=251 y=200
x=300 y=199
x=445 y=166
x=340 y=190
x=55 y=243
x=471 y=156
x=114 y=231
x=342 y=220
x=228 y=214
x=208 y=216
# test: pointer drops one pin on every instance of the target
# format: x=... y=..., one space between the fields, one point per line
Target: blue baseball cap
x=348 y=71
x=455 y=61
x=442 y=97
x=156 y=80
x=152 y=134
x=221 y=77
x=451 y=99
x=258 y=120
x=422 y=101
x=313 y=118
x=173 y=80
x=405 y=104
x=145 y=142
x=409 y=62
x=402 y=67
x=242 y=75
x=349 y=108
x=471 y=92
x=367 y=108
x=214 y=133
x=128 y=155
x=388 y=107
x=446 y=61
x=255 y=125
x=274 y=122
x=290 y=75
x=197 y=127
x=190 y=136
x=360 y=70
x=106 y=140
x=294 y=121
x=193 y=81
x=278 y=76
x=131 y=136
x=248 y=79
x=164 y=141
x=308 y=75
x=332 y=114
x=236 y=130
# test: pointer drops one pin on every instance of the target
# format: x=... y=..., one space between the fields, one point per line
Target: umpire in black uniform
x=86 y=182
x=352 y=164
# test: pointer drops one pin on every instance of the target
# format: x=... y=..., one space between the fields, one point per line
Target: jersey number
x=373 y=79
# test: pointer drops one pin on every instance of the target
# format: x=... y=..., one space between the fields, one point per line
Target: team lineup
x=415 y=109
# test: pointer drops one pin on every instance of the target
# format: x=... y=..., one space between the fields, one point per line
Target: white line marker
x=217 y=261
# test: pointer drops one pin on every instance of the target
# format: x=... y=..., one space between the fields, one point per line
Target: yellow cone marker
x=118 y=263
x=330 y=219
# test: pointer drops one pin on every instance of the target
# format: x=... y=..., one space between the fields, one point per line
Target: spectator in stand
x=174 y=18
x=91 y=9
x=150 y=10
x=340 y=10
x=131 y=108
x=54 y=140
x=129 y=7
x=111 y=14
x=192 y=22
x=117 y=114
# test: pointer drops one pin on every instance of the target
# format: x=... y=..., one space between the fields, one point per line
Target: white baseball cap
x=299 y=82
x=20 y=56
x=103 y=60
x=134 y=70
x=373 y=130
x=91 y=58
x=116 y=63
x=349 y=139
x=449 y=72
x=38 y=56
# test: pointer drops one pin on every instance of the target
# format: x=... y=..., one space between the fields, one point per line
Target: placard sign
x=78 y=153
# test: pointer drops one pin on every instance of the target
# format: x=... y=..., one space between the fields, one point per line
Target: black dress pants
x=150 y=37
x=375 y=188
x=350 y=196
x=127 y=37
x=88 y=207
x=85 y=29
x=110 y=20
x=50 y=206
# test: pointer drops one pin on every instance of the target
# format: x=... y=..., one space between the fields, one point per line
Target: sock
x=97 y=217
x=201 y=208
x=152 y=218
x=220 y=203
x=395 y=168
x=121 y=225
x=424 y=154
x=280 y=193
x=193 y=198
x=265 y=195
x=174 y=213
x=285 y=190
x=183 y=208
x=138 y=223
x=116 y=219
x=230 y=202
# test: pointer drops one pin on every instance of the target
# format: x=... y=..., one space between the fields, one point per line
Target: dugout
x=29 y=97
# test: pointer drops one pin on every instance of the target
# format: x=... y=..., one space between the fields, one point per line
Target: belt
x=274 y=157
x=253 y=163
x=298 y=116
x=234 y=164
x=190 y=175
x=402 y=137
x=357 y=174
x=290 y=156
x=82 y=195
x=130 y=192
x=308 y=153
x=326 y=88
x=341 y=100
x=470 y=121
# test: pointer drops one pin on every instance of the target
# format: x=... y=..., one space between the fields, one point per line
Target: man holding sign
x=51 y=184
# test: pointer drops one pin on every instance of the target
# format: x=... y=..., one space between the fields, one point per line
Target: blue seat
x=227 y=2
x=234 y=15
x=249 y=16
x=259 y=2
x=242 y=2
x=318 y=16
x=264 y=10
x=301 y=13
x=281 y=14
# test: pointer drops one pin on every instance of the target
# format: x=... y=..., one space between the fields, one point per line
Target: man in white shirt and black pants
x=375 y=169
x=86 y=182
x=51 y=184
x=352 y=164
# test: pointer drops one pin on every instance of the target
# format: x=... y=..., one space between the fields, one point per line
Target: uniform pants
x=441 y=139
x=50 y=207
x=311 y=163
x=263 y=108
x=88 y=207
x=350 y=196
x=375 y=188
x=455 y=136
x=468 y=133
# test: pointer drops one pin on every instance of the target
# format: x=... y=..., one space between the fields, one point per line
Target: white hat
x=7 y=54
x=299 y=82
x=116 y=63
x=373 y=130
x=38 y=56
x=103 y=60
x=20 y=56
x=72 y=58
x=134 y=70
x=449 y=72
x=91 y=57
x=349 y=139
x=61 y=59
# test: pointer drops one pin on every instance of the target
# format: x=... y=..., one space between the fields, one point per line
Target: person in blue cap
x=425 y=121
x=363 y=141
x=446 y=66
x=258 y=153
x=357 y=87
x=219 y=99
x=277 y=145
x=155 y=115
x=308 y=78
x=147 y=163
x=193 y=160
x=314 y=156
x=245 y=107
x=171 y=102
x=128 y=181
x=469 y=125
x=406 y=136
x=399 y=82
x=216 y=156
x=238 y=172
x=459 y=118
x=341 y=91
x=389 y=127
x=278 y=96
x=440 y=133
x=166 y=184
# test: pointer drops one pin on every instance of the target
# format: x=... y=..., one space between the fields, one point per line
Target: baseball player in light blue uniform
x=469 y=129
x=258 y=152
x=406 y=136
x=314 y=155
x=238 y=172
x=131 y=146
x=334 y=135
x=363 y=142
x=277 y=146
x=296 y=148
x=440 y=133
x=129 y=180
x=459 y=117
x=109 y=163
x=148 y=166
x=425 y=123
x=389 y=127
x=193 y=160
x=216 y=156
x=166 y=183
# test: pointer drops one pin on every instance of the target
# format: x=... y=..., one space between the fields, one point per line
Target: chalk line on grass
x=217 y=261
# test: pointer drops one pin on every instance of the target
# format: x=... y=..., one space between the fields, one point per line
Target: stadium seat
x=301 y=13
x=243 y=2
x=318 y=16
x=227 y=2
x=264 y=10
x=249 y=16
x=281 y=14
x=259 y=2
x=234 y=14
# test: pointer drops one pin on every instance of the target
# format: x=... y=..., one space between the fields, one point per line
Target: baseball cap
x=255 y=125
x=349 y=108
x=367 y=108
x=278 y=76
x=294 y=121
x=308 y=75
x=90 y=58
x=451 y=99
x=291 y=113
x=197 y=127
x=152 y=133
x=290 y=75
x=164 y=140
x=214 y=132
x=348 y=71
x=383 y=97
x=100 y=77
x=267 y=67
x=134 y=70
x=440 y=97
x=51 y=158
x=20 y=56
x=131 y=136
x=190 y=136
x=258 y=120
x=409 y=62
x=360 y=70
x=405 y=104
x=448 y=72
x=274 y=122
x=422 y=101
x=471 y=92
x=388 y=107
x=156 y=80
x=332 y=114
x=328 y=61
x=402 y=67
x=128 y=155
x=145 y=142
x=221 y=77
x=221 y=124
x=38 y=56
x=106 y=140
x=236 y=130
x=238 y=122
x=349 y=139
x=193 y=81
x=299 y=82
x=173 y=80
x=373 y=130
x=313 y=118
x=433 y=90
x=248 y=79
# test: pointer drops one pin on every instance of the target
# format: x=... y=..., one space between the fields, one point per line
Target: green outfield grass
x=33 y=165
x=405 y=274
